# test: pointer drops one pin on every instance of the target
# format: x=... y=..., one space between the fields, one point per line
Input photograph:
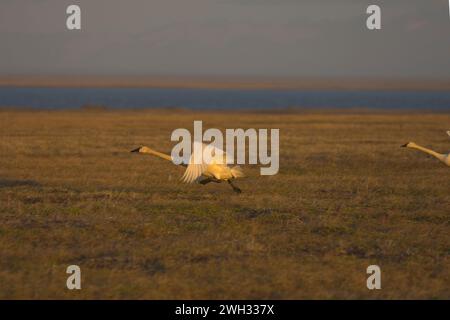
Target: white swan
x=216 y=170
x=445 y=158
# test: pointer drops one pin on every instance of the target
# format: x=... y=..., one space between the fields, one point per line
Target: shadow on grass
x=8 y=183
x=250 y=213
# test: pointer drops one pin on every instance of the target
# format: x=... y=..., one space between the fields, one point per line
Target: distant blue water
x=59 y=98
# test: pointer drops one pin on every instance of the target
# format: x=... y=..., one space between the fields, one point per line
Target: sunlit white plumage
x=211 y=167
x=445 y=158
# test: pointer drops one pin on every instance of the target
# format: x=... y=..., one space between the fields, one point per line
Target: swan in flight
x=445 y=158
x=216 y=170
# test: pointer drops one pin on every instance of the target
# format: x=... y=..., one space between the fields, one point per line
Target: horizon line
x=245 y=82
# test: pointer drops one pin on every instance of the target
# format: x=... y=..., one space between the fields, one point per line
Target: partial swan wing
x=195 y=170
x=448 y=132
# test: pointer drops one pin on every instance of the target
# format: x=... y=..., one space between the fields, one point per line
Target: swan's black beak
x=136 y=150
x=404 y=145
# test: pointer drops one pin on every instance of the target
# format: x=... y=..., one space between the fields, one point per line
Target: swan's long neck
x=429 y=151
x=147 y=150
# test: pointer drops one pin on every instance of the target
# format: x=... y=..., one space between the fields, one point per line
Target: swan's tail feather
x=237 y=172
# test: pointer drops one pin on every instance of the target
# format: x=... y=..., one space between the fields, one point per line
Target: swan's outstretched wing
x=195 y=170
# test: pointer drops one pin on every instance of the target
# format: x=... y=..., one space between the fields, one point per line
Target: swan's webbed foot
x=235 y=189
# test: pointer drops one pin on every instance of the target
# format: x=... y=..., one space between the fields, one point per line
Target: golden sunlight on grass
x=346 y=196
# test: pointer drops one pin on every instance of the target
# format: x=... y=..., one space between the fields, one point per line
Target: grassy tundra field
x=347 y=196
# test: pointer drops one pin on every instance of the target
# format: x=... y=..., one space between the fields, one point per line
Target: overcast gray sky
x=301 y=38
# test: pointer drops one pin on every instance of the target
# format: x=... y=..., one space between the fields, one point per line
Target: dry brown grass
x=346 y=197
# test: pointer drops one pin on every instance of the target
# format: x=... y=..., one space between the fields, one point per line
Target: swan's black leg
x=235 y=189
x=204 y=181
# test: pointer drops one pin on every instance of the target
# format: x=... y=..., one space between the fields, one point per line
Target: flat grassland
x=347 y=196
